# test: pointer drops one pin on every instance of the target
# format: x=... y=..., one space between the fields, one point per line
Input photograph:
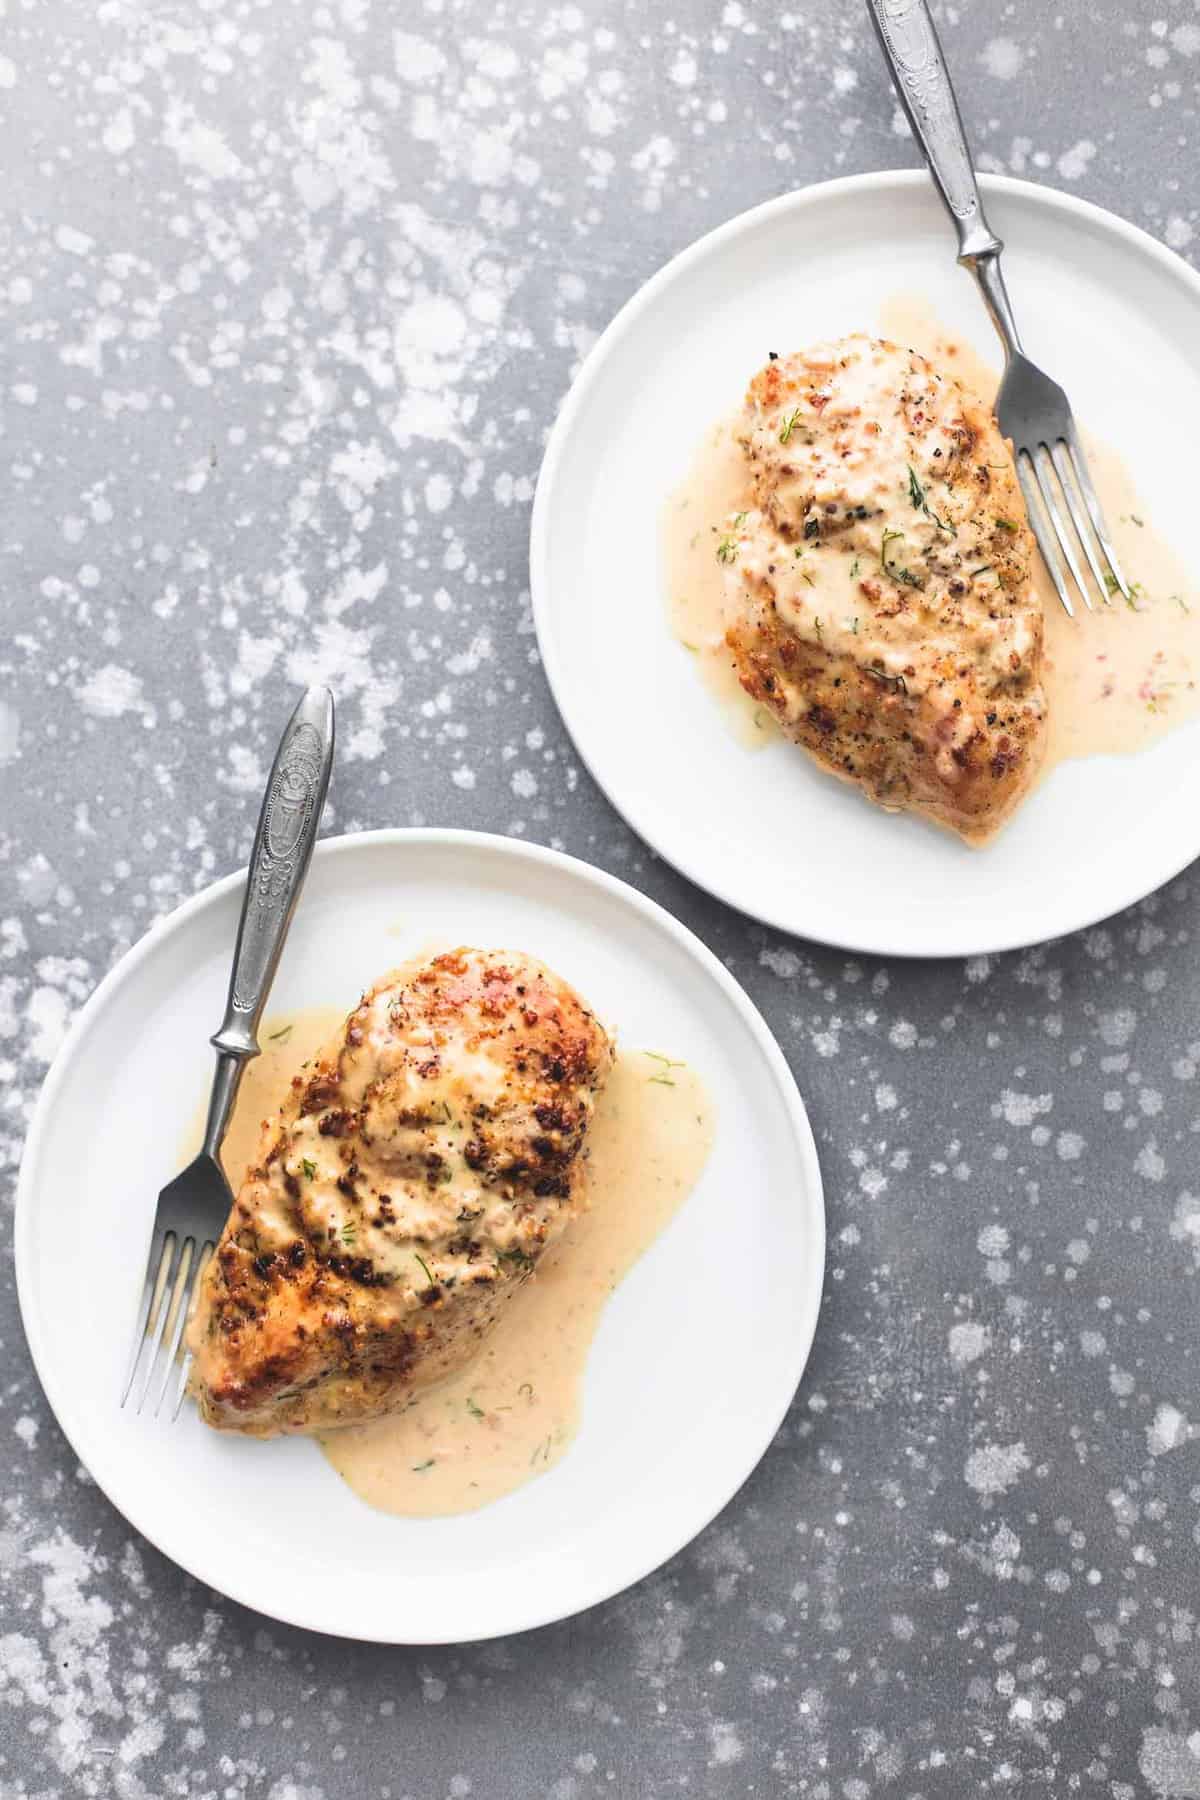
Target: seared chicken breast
x=413 y=1176
x=878 y=595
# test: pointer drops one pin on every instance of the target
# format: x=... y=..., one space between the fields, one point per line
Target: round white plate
x=1112 y=314
x=676 y=1411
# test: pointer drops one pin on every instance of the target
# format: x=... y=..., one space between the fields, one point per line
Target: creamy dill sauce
x=1117 y=679
x=513 y=1411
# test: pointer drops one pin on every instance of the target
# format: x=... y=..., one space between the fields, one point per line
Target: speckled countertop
x=290 y=294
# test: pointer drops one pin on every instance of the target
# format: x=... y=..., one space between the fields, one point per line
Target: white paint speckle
x=1002 y=58
x=993 y=1468
x=1168 y=1430
x=727 y=1746
x=1073 y=163
x=968 y=1341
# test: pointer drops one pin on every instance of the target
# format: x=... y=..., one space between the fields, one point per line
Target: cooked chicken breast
x=879 y=600
x=413 y=1176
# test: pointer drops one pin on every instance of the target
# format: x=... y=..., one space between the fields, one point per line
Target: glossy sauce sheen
x=1116 y=679
x=512 y=1413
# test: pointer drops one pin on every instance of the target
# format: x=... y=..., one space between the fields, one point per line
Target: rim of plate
x=624 y=321
x=164 y=1538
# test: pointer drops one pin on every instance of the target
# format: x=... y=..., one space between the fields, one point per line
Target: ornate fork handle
x=283 y=847
x=910 y=45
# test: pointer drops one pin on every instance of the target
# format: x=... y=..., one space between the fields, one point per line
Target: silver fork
x=193 y=1208
x=1031 y=409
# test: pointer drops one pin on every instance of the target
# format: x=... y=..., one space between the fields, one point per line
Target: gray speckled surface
x=290 y=293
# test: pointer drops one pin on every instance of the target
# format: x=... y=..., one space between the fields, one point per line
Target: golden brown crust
x=414 y=1175
x=880 y=596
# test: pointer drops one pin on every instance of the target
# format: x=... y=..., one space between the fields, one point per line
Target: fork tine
x=1079 y=469
x=185 y=1366
x=149 y=1287
x=1042 y=532
x=1062 y=462
x=158 y=1324
x=182 y=1312
x=1062 y=530
x=185 y=1369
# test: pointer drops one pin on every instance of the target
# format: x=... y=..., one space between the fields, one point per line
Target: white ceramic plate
x=676 y=1413
x=1111 y=313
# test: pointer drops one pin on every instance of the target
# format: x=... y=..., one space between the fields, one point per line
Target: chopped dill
x=789 y=425
x=920 y=499
x=663 y=1077
x=897 y=574
x=916 y=492
x=425 y=1268
x=1138 y=522
x=349 y=1232
x=282 y=1035
x=727 y=550
x=521 y=1258
x=310 y=1169
x=420 y=1468
x=476 y=1412
x=1182 y=603
x=1008 y=525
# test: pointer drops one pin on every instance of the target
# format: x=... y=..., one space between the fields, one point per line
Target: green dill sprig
x=920 y=499
x=520 y=1257
x=789 y=425
x=310 y=1169
x=663 y=1078
x=425 y=1267
x=893 y=570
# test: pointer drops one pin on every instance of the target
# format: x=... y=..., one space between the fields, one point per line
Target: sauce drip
x=512 y=1413
x=1117 y=679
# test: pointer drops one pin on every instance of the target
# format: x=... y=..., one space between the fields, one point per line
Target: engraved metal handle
x=283 y=847
x=910 y=45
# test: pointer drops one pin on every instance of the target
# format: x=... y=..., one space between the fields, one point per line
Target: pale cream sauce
x=512 y=1412
x=1117 y=679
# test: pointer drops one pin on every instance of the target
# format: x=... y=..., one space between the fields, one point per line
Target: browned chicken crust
x=415 y=1172
x=879 y=597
